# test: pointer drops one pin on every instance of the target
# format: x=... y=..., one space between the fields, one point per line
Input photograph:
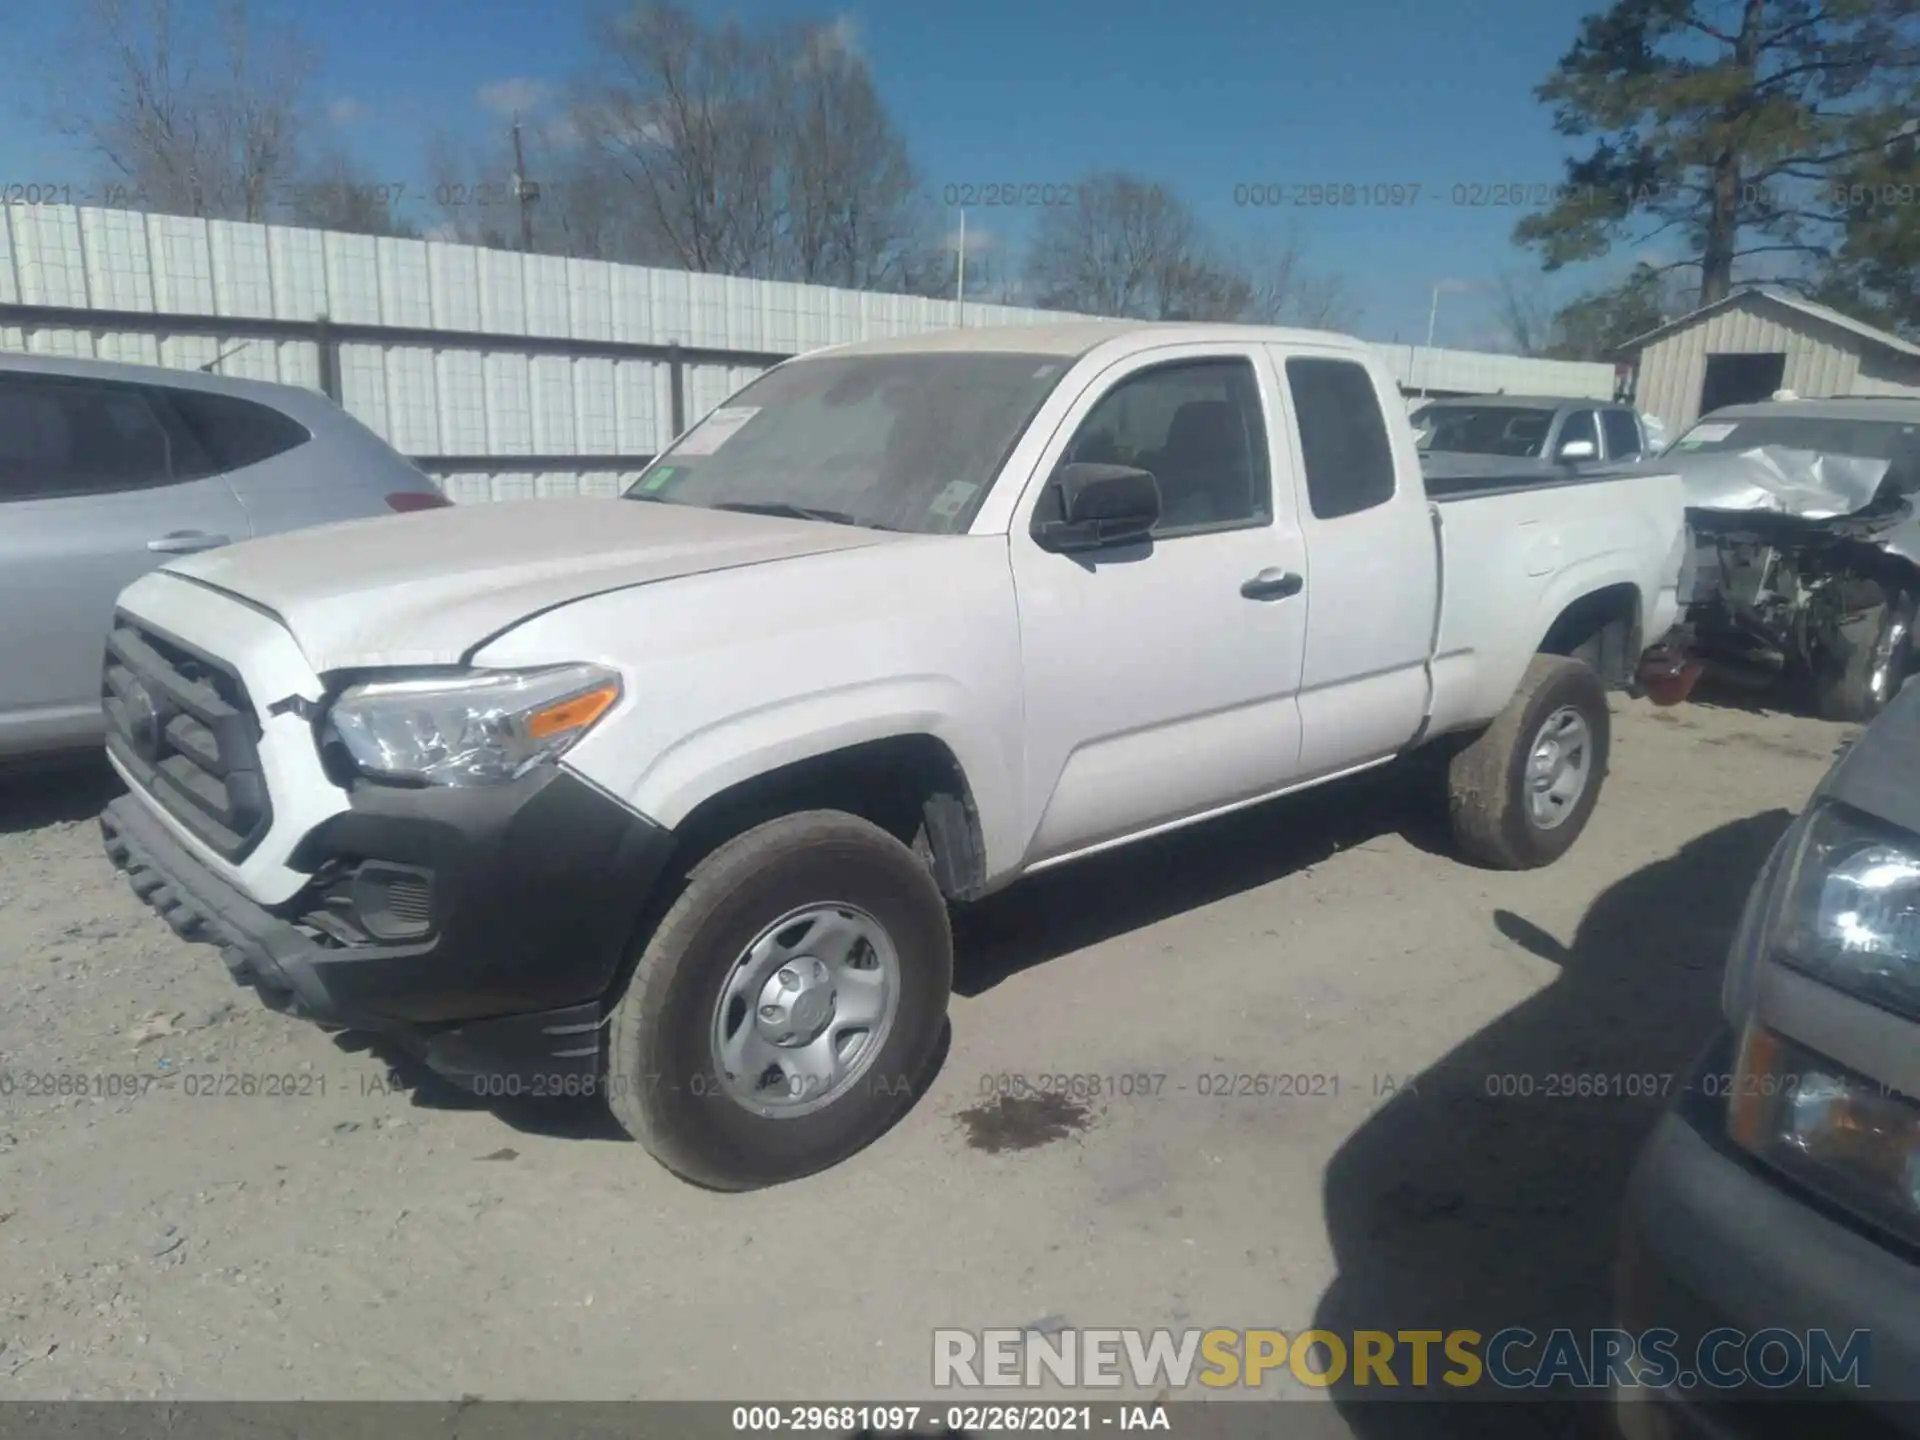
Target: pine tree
x=1724 y=129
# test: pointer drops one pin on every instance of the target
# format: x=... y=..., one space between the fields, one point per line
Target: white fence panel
x=459 y=400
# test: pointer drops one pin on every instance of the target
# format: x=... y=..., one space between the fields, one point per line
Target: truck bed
x=1491 y=475
x=1514 y=553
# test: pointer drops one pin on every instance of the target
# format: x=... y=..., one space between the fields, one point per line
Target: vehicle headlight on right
x=1843 y=1134
x=1852 y=911
x=1847 y=913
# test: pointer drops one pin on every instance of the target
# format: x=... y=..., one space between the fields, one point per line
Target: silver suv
x=107 y=470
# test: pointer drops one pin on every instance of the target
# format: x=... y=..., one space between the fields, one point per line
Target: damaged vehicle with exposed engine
x=1804 y=557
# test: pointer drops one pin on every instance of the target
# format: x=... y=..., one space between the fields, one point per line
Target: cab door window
x=1196 y=425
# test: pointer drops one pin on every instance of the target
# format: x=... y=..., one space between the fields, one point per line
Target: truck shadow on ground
x=1096 y=899
x=1055 y=914
x=560 y=1117
x=58 y=791
x=1485 y=1197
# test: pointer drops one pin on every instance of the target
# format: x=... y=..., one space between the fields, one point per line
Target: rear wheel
x=1520 y=794
x=785 y=1010
x=1864 y=670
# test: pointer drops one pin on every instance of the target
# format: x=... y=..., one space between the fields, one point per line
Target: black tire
x=660 y=1075
x=1487 y=782
x=1859 y=676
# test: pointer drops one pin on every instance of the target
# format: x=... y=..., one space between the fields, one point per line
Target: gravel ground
x=372 y=1234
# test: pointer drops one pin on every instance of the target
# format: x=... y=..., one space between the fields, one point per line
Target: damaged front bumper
x=479 y=929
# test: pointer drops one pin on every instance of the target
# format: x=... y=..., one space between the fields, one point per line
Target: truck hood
x=428 y=588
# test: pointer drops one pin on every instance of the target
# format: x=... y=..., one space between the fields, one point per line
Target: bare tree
x=991 y=279
x=1283 y=290
x=852 y=213
x=1129 y=246
x=1525 y=313
x=337 y=194
x=465 y=187
x=584 y=207
x=193 y=119
x=765 y=153
x=682 y=115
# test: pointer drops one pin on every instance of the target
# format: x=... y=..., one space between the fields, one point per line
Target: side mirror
x=1578 y=450
x=1099 y=506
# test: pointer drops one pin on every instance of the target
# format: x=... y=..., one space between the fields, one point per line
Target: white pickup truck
x=664 y=797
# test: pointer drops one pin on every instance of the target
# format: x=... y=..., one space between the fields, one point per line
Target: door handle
x=185 y=542
x=1272 y=584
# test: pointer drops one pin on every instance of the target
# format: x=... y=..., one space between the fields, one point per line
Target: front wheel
x=1869 y=662
x=1523 y=790
x=785 y=1010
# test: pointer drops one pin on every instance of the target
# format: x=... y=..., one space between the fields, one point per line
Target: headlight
x=1850 y=1137
x=478 y=728
x=1839 y=901
x=1851 y=916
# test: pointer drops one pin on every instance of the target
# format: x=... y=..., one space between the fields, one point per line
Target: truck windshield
x=1828 y=435
x=1484 y=429
x=896 y=442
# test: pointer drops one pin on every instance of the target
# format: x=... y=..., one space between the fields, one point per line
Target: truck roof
x=1077 y=337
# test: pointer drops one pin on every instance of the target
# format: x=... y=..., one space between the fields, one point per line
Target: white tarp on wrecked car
x=1806 y=483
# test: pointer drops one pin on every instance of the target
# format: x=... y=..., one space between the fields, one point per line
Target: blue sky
x=1204 y=95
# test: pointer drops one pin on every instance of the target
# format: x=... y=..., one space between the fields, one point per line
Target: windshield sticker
x=953 y=499
x=714 y=431
x=658 y=479
x=1705 y=435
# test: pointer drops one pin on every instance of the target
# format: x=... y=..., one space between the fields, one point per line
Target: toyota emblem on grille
x=145 y=726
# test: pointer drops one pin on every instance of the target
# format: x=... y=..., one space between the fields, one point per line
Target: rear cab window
x=1344 y=445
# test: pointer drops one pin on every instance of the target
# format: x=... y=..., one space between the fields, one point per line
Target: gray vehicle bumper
x=1711 y=1240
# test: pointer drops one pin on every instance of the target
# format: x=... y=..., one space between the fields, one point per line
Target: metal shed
x=1758 y=341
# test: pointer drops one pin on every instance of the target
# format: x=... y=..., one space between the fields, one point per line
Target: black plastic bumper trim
x=538 y=887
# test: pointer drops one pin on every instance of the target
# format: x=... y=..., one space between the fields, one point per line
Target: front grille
x=371 y=902
x=180 y=722
x=411 y=900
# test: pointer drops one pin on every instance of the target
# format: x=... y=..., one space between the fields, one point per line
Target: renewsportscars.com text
x=1509 y=1359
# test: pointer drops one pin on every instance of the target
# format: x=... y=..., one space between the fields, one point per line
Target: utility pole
x=960 y=279
x=523 y=192
x=1433 y=314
